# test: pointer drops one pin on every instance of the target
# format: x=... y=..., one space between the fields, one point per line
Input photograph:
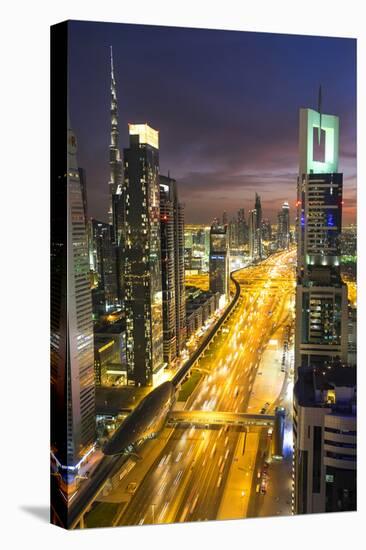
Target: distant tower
x=115 y=162
x=283 y=227
x=219 y=259
x=253 y=240
x=242 y=228
x=258 y=208
x=117 y=200
x=233 y=229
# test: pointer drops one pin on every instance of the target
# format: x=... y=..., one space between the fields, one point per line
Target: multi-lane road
x=192 y=466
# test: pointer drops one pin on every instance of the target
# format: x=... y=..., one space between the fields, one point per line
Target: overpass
x=217 y=418
x=212 y=418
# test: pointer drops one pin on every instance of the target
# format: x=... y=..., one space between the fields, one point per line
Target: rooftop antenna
x=320 y=113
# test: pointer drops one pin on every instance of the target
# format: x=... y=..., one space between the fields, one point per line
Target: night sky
x=226 y=105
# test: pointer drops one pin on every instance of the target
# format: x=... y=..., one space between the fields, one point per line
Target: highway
x=186 y=481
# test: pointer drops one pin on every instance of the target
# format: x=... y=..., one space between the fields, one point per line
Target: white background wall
x=25 y=270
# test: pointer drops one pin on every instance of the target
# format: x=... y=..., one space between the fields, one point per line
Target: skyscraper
x=168 y=270
x=72 y=354
x=321 y=296
x=142 y=266
x=219 y=260
x=324 y=395
x=171 y=193
x=115 y=162
x=117 y=202
x=283 y=226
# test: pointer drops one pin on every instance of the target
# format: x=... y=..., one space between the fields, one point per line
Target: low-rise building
x=200 y=306
x=110 y=354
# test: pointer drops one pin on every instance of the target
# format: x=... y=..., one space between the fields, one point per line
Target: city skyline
x=233 y=135
x=201 y=372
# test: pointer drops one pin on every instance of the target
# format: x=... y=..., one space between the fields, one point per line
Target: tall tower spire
x=115 y=162
x=112 y=68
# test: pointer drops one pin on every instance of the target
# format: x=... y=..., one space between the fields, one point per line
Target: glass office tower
x=142 y=269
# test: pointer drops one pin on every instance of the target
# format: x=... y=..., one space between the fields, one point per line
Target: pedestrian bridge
x=204 y=418
x=213 y=418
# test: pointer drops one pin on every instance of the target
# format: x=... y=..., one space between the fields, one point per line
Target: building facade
x=104 y=262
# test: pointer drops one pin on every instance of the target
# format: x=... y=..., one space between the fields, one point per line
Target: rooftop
x=147 y=135
x=113 y=328
x=332 y=385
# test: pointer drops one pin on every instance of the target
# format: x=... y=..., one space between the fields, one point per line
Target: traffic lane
x=159 y=487
x=207 y=470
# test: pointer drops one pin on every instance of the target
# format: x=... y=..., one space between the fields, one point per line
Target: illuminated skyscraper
x=321 y=297
x=325 y=389
x=117 y=202
x=142 y=266
x=219 y=260
x=115 y=162
x=168 y=269
x=72 y=354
